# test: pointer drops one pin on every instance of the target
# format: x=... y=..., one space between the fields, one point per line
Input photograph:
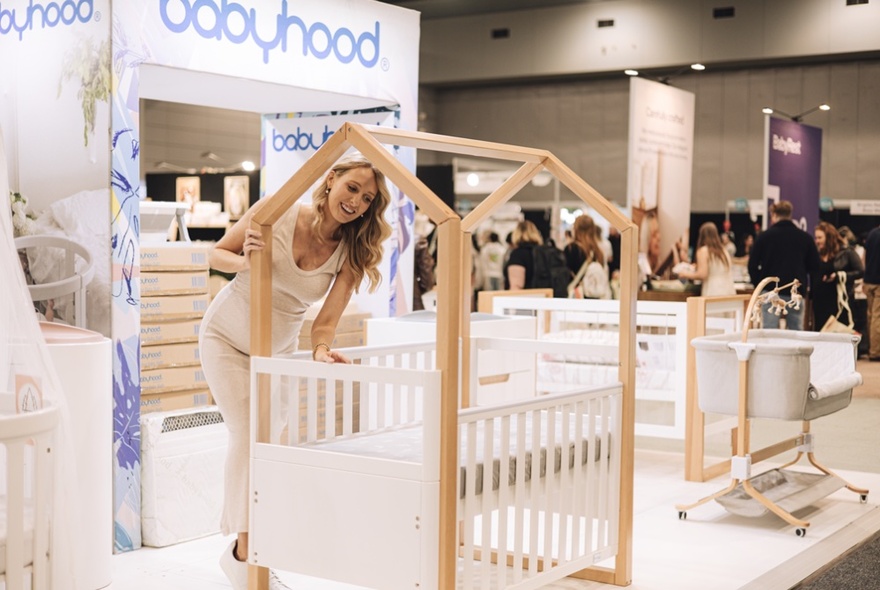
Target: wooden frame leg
x=700 y=502
x=258 y=577
x=772 y=507
x=826 y=471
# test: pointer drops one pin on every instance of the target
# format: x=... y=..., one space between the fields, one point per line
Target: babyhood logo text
x=213 y=20
x=45 y=16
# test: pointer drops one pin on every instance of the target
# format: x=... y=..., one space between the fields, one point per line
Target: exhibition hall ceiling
x=432 y=9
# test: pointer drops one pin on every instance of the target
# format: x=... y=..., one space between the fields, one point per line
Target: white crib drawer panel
x=367 y=530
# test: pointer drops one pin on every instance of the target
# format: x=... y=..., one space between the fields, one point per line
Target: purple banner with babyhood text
x=794 y=160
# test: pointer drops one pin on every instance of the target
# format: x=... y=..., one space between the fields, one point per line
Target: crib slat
x=412 y=363
x=519 y=497
x=330 y=408
x=470 y=475
x=381 y=418
x=564 y=475
x=347 y=407
x=577 y=487
x=503 y=493
x=397 y=406
x=614 y=445
x=602 y=512
x=535 y=450
x=590 y=497
x=312 y=410
x=486 y=497
x=549 y=480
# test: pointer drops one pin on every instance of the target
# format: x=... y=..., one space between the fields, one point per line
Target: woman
x=492 y=257
x=836 y=259
x=337 y=239
x=521 y=264
x=712 y=264
x=584 y=247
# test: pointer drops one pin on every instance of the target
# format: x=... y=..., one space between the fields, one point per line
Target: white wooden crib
x=661 y=352
x=347 y=487
x=403 y=522
x=26 y=442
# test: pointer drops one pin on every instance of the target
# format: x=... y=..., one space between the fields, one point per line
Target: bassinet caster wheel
x=863 y=498
x=800 y=532
x=682 y=515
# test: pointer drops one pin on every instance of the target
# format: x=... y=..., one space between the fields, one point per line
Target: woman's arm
x=849 y=262
x=324 y=326
x=702 y=271
x=516 y=276
x=226 y=255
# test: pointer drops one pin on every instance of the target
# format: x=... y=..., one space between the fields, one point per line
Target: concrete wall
x=585 y=122
x=646 y=34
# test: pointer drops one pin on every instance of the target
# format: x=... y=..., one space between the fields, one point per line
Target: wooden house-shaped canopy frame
x=452 y=300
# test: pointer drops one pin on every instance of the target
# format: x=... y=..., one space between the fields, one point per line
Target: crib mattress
x=405 y=444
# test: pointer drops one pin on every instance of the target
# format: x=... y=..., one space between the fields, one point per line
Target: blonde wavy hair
x=362 y=238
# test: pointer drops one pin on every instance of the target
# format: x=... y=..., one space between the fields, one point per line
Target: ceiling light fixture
x=631 y=72
x=697 y=67
x=163 y=165
x=799 y=117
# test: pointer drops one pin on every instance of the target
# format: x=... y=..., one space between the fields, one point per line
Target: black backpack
x=550 y=270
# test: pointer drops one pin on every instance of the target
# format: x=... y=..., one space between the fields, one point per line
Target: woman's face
x=820 y=239
x=351 y=193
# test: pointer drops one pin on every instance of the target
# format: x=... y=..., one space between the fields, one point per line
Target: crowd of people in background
x=831 y=266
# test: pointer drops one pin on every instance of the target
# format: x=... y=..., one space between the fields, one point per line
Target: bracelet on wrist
x=317 y=346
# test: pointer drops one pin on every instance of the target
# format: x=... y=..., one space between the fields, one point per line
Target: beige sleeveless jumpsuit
x=224 y=346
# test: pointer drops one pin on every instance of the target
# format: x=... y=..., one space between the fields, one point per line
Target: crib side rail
x=661 y=352
x=547 y=504
x=313 y=402
x=421 y=354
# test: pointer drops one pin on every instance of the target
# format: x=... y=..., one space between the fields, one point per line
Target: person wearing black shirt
x=787 y=252
x=872 y=291
x=520 y=266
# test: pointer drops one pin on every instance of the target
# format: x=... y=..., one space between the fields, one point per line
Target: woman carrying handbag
x=839 y=267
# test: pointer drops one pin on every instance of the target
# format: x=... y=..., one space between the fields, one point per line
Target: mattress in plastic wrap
x=183 y=454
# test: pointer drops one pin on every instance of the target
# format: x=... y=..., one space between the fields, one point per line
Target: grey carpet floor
x=858 y=569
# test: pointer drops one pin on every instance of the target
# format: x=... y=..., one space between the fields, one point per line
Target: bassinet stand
x=741 y=463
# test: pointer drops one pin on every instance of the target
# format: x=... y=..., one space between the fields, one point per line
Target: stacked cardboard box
x=174 y=297
x=349 y=332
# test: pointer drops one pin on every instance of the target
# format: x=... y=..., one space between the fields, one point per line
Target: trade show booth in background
x=71 y=80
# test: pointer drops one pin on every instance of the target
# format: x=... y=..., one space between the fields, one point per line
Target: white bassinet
x=789 y=375
x=793 y=375
x=61 y=267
